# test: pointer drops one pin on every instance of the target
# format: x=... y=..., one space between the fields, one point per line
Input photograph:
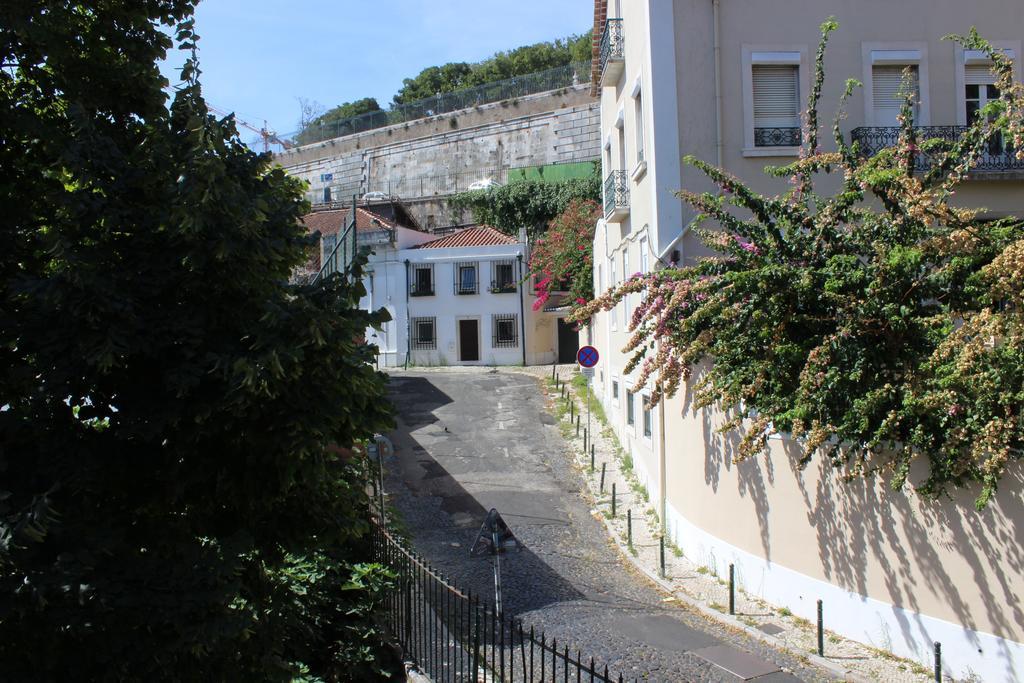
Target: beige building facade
x=726 y=81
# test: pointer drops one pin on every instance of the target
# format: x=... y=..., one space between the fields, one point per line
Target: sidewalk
x=687 y=582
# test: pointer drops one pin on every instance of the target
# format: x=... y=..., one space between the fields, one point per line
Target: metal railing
x=997 y=154
x=616 y=192
x=576 y=73
x=611 y=42
x=777 y=137
x=456 y=637
x=344 y=253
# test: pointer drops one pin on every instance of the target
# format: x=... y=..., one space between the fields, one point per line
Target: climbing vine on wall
x=880 y=325
x=530 y=204
x=562 y=259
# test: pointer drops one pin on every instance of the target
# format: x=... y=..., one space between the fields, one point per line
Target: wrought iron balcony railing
x=616 y=194
x=777 y=137
x=418 y=290
x=612 y=52
x=997 y=154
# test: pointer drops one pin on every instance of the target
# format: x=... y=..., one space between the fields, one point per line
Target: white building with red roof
x=461 y=298
x=469 y=302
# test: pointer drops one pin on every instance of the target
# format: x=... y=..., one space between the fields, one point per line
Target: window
x=327 y=195
x=615 y=390
x=979 y=89
x=465 y=278
x=423 y=281
x=625 y=276
x=423 y=337
x=638 y=111
x=504 y=278
x=648 y=417
x=886 y=89
x=504 y=331
x=630 y=411
x=776 y=104
x=645 y=264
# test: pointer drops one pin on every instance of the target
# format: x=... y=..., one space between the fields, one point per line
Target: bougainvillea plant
x=562 y=259
x=880 y=325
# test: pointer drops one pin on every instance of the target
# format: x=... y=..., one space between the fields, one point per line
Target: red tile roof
x=331 y=222
x=480 y=236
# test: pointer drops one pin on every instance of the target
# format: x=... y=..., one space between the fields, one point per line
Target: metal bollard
x=629 y=528
x=613 y=500
x=732 y=589
x=938 y=662
x=821 y=631
x=662 y=542
x=591 y=457
x=603 y=465
x=577 y=425
x=584 y=439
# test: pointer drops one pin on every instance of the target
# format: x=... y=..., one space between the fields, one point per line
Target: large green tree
x=170 y=508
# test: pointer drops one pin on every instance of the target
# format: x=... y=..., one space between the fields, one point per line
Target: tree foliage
x=502 y=65
x=532 y=204
x=169 y=509
x=562 y=259
x=334 y=115
x=880 y=325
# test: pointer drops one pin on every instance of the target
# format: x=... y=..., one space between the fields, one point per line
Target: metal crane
x=269 y=137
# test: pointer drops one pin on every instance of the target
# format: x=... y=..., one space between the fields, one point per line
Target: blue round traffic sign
x=587 y=356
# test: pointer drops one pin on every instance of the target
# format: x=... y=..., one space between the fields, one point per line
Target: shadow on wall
x=917 y=548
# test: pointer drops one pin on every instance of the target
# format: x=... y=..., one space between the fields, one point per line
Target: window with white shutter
x=776 y=95
x=886 y=88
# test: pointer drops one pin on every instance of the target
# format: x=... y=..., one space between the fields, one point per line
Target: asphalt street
x=469 y=441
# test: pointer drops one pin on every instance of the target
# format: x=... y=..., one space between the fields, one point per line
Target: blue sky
x=259 y=57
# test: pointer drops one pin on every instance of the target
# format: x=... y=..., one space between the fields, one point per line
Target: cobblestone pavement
x=470 y=441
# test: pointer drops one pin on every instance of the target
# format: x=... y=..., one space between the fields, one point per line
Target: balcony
x=616 y=196
x=997 y=157
x=612 y=54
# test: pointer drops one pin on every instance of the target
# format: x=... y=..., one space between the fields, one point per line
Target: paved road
x=470 y=441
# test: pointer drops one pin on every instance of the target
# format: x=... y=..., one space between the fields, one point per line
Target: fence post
x=732 y=589
x=476 y=642
x=613 y=500
x=661 y=541
x=821 y=631
x=591 y=457
x=629 y=528
x=603 y=466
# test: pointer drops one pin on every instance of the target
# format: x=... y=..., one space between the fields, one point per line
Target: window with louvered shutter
x=776 y=105
x=886 y=85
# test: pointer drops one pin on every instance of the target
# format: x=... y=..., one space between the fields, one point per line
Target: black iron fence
x=612 y=44
x=996 y=155
x=576 y=73
x=456 y=637
x=616 y=192
x=341 y=256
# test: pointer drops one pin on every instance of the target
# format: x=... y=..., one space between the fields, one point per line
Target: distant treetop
x=520 y=61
